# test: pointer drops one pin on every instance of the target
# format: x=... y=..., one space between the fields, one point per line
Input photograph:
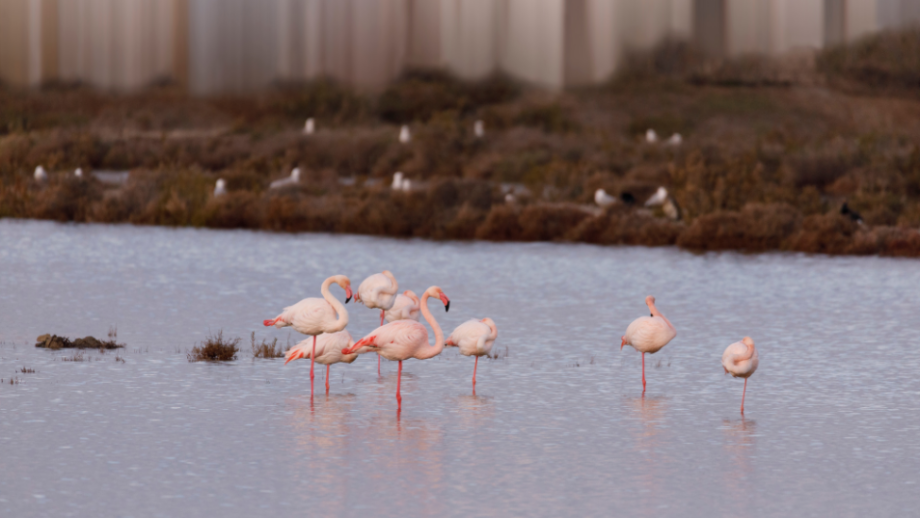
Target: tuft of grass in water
x=215 y=348
x=265 y=349
x=26 y=370
x=77 y=357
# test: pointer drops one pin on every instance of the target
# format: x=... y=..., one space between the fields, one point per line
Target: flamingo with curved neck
x=740 y=360
x=406 y=307
x=404 y=339
x=648 y=334
x=313 y=316
x=378 y=291
x=474 y=338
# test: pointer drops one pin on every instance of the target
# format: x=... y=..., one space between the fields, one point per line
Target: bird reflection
x=739 y=443
x=651 y=414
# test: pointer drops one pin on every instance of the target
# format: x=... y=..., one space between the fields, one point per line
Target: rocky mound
x=55 y=342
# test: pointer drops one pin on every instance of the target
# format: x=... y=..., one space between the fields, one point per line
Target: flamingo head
x=435 y=291
x=491 y=323
x=345 y=283
x=748 y=341
x=411 y=294
x=622 y=342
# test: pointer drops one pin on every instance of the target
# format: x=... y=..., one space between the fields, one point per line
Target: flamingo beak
x=348 y=295
x=622 y=342
x=446 y=302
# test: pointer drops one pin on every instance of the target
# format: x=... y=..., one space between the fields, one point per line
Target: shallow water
x=558 y=427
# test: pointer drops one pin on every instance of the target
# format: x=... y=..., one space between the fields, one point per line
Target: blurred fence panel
x=232 y=46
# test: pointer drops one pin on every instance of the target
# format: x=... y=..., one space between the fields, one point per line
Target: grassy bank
x=771 y=150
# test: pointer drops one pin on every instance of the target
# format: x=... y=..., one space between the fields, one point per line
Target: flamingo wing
x=470 y=337
x=395 y=341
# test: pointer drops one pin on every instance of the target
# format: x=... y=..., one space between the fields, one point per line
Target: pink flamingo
x=649 y=334
x=404 y=339
x=740 y=360
x=406 y=307
x=327 y=350
x=474 y=338
x=378 y=291
x=314 y=316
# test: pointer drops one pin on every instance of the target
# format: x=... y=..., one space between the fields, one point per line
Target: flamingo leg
x=312 y=360
x=327 y=379
x=643 y=373
x=743 y=392
x=378 y=354
x=475 y=366
x=398 y=382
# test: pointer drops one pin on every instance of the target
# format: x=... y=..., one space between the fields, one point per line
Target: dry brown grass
x=265 y=349
x=215 y=348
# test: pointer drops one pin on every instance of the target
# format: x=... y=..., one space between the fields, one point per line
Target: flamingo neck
x=431 y=351
x=750 y=354
x=494 y=330
x=394 y=285
x=341 y=314
x=655 y=313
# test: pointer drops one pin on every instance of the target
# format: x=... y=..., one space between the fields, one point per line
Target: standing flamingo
x=378 y=291
x=314 y=316
x=474 y=338
x=404 y=339
x=740 y=360
x=405 y=307
x=327 y=350
x=649 y=334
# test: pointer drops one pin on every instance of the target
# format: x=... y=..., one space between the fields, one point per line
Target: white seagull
x=220 y=188
x=309 y=127
x=40 y=174
x=404 y=136
x=603 y=200
x=284 y=182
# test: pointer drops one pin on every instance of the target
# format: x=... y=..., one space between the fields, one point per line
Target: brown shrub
x=215 y=348
x=502 y=224
x=825 y=234
x=625 y=227
x=549 y=222
x=757 y=227
x=266 y=350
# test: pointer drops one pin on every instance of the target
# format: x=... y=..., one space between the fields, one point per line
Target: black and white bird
x=850 y=213
x=667 y=203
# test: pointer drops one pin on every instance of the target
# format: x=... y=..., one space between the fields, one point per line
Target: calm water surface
x=558 y=427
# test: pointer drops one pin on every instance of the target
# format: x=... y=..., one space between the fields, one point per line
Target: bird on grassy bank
x=668 y=204
x=405 y=339
x=378 y=292
x=313 y=316
x=40 y=174
x=648 y=334
x=309 y=127
x=650 y=136
x=404 y=136
x=479 y=129
x=78 y=173
x=220 y=188
x=328 y=351
x=740 y=360
x=603 y=200
x=675 y=140
x=850 y=213
x=405 y=307
x=294 y=179
x=474 y=338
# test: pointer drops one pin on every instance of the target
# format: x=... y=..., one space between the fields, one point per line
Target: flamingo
x=404 y=339
x=740 y=360
x=474 y=338
x=649 y=334
x=314 y=316
x=378 y=291
x=328 y=351
x=404 y=308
